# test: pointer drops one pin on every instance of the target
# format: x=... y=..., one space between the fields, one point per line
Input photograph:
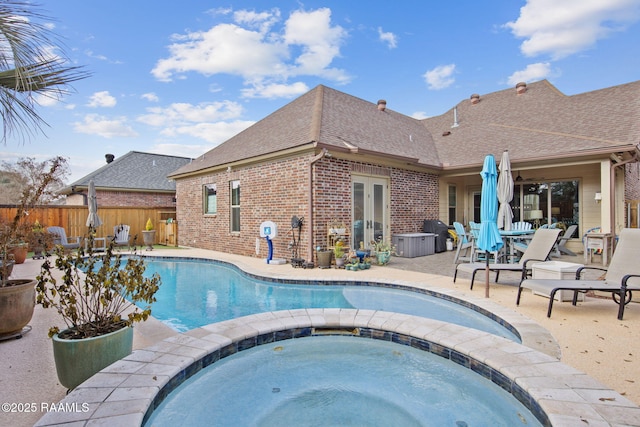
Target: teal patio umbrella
x=489 y=239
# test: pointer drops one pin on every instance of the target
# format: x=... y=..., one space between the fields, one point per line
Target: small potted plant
x=383 y=250
x=96 y=296
x=338 y=253
x=149 y=235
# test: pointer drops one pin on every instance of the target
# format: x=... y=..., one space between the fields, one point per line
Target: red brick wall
x=273 y=192
x=278 y=190
x=134 y=199
x=632 y=181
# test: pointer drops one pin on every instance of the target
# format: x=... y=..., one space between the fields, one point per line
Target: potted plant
x=96 y=296
x=149 y=235
x=383 y=250
x=338 y=253
x=17 y=296
x=324 y=257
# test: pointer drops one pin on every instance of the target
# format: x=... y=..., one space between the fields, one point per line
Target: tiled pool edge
x=123 y=393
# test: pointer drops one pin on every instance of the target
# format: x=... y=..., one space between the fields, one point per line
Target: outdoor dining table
x=509 y=237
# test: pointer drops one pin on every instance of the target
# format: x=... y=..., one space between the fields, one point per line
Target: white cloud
x=562 y=28
x=255 y=47
x=389 y=38
x=215 y=133
x=102 y=99
x=151 y=97
x=272 y=91
x=419 y=115
x=440 y=77
x=533 y=72
x=94 y=124
x=182 y=150
x=183 y=113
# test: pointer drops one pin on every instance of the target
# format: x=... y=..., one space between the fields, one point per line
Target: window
x=547 y=203
x=234 y=187
x=210 y=199
x=452 y=204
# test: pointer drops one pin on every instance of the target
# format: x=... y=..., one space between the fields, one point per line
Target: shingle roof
x=540 y=123
x=135 y=171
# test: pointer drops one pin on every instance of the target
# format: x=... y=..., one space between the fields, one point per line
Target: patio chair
x=560 y=247
x=521 y=225
x=60 y=238
x=477 y=255
x=537 y=251
x=121 y=235
x=623 y=276
x=463 y=244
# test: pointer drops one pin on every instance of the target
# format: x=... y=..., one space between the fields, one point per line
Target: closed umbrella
x=93 y=220
x=505 y=192
x=489 y=239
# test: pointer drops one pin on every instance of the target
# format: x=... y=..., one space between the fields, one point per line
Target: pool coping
x=124 y=393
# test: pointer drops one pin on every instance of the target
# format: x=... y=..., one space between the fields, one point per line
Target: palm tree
x=30 y=64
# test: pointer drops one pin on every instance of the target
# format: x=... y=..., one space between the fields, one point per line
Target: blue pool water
x=195 y=293
x=339 y=381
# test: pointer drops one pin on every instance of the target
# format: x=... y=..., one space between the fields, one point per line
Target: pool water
x=339 y=380
x=195 y=293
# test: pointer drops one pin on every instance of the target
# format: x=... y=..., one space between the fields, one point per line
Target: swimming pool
x=196 y=292
x=341 y=381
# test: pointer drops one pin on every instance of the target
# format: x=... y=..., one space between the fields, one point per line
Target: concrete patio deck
x=590 y=337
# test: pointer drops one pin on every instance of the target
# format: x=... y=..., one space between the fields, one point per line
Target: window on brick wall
x=234 y=190
x=452 y=204
x=210 y=199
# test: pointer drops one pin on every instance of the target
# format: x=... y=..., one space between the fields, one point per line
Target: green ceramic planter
x=77 y=360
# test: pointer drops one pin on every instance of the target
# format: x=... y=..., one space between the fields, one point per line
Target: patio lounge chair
x=463 y=243
x=623 y=276
x=60 y=238
x=538 y=250
x=121 y=235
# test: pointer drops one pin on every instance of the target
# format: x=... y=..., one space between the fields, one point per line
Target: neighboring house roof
x=134 y=171
x=541 y=123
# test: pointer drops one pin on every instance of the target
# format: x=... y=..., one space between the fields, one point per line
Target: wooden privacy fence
x=74 y=220
x=633 y=213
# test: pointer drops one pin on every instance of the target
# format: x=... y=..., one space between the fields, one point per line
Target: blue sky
x=179 y=78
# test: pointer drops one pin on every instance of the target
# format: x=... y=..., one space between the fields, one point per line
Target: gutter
x=323 y=153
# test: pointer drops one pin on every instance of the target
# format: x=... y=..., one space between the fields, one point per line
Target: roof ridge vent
x=475 y=98
x=382 y=105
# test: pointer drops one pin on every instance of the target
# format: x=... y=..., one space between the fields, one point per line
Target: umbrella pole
x=486 y=276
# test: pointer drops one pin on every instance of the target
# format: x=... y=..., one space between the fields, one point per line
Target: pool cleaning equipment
x=269 y=230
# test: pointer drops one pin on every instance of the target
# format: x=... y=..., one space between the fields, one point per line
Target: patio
x=590 y=337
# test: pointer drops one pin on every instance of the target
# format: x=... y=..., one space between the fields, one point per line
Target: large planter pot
x=149 y=237
x=17 y=301
x=19 y=253
x=324 y=259
x=77 y=360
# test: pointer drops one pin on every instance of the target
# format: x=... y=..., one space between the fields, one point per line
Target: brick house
x=328 y=156
x=136 y=179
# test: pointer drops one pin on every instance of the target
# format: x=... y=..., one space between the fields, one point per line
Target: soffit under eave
x=540 y=162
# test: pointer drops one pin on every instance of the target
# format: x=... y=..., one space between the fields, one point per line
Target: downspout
x=317 y=157
x=612 y=189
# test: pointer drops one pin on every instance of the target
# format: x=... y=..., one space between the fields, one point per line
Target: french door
x=369 y=208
